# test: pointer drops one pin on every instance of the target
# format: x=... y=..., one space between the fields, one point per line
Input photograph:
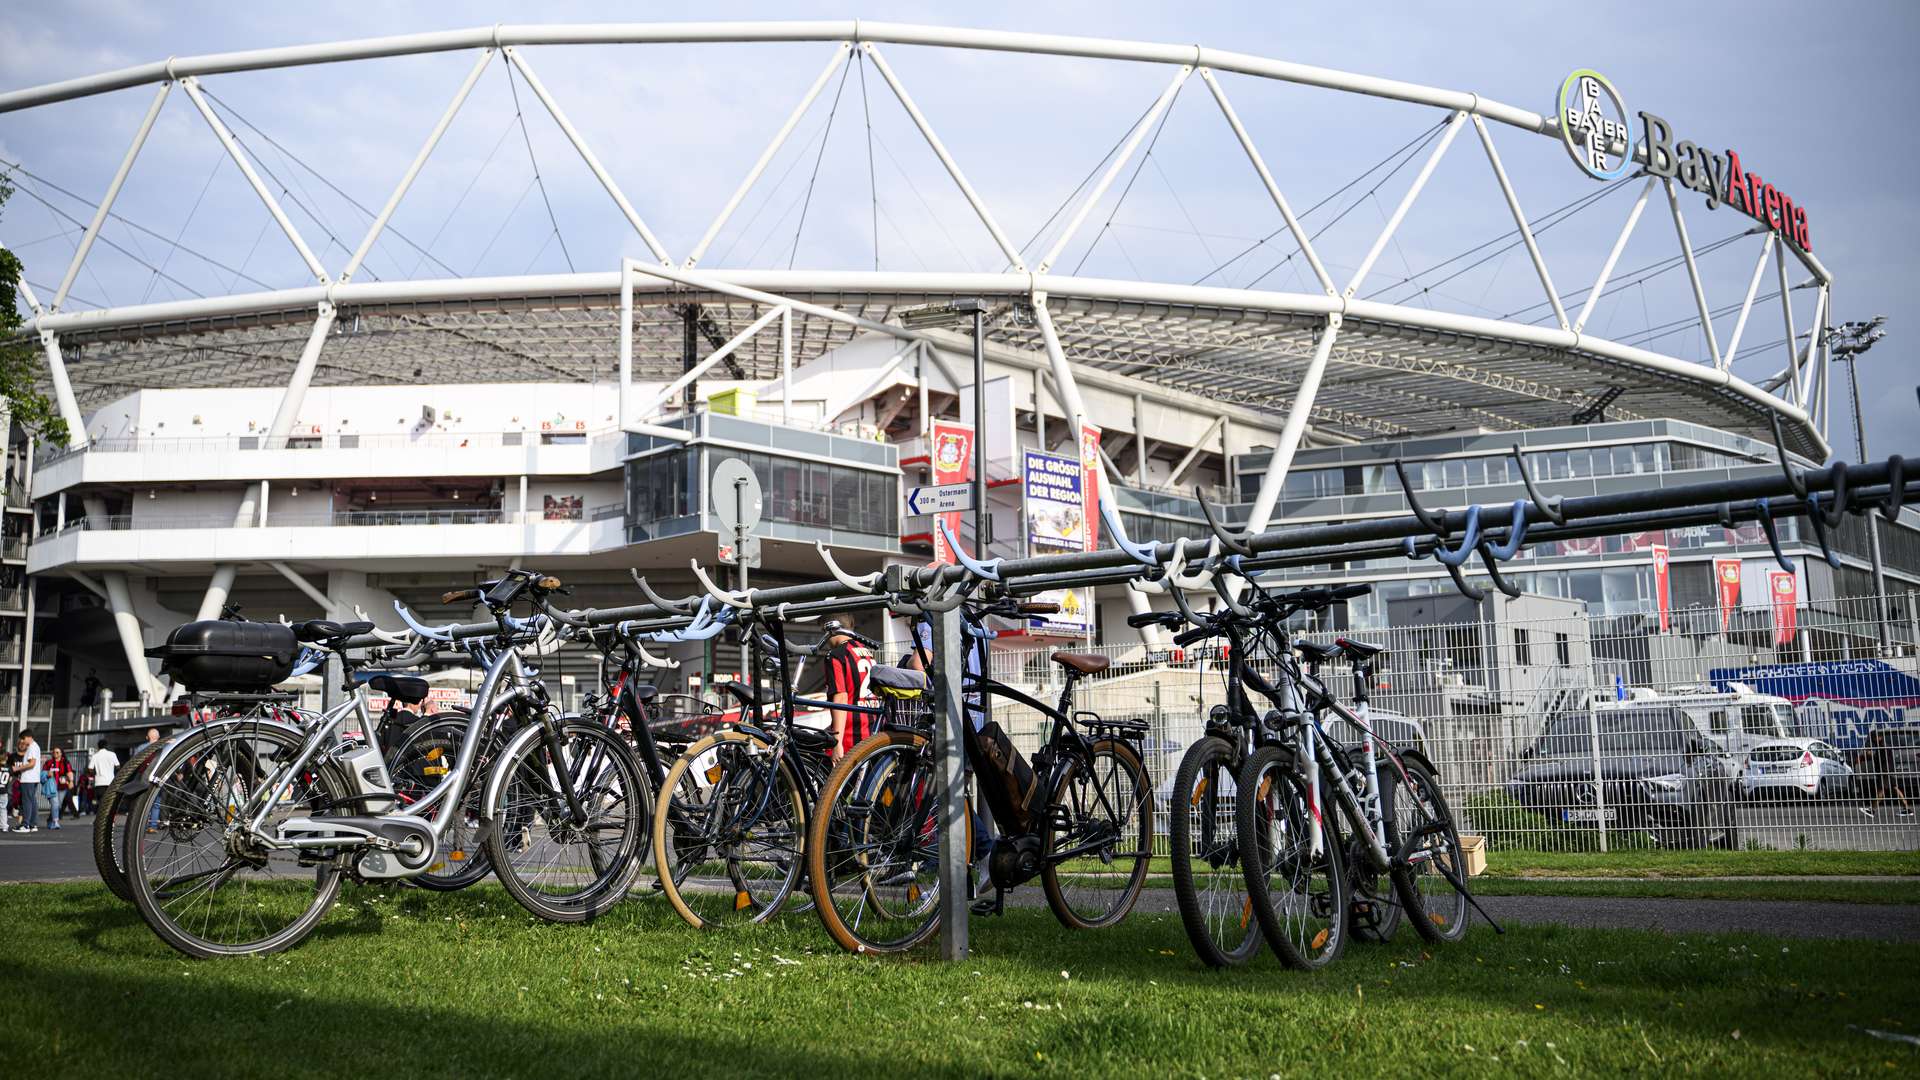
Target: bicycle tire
x=1306 y=925
x=855 y=792
x=686 y=836
x=1207 y=882
x=1437 y=910
x=173 y=805
x=610 y=781
x=1075 y=815
x=109 y=855
x=462 y=860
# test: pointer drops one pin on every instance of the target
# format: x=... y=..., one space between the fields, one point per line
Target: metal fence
x=1769 y=728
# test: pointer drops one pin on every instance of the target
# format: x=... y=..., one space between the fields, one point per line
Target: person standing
x=56 y=783
x=102 y=766
x=6 y=791
x=847 y=667
x=27 y=772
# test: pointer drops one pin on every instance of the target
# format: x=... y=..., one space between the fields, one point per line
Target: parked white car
x=1809 y=767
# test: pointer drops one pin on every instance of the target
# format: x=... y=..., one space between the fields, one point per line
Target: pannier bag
x=226 y=654
x=1006 y=780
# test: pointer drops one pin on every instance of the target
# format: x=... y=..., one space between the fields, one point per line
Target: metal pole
x=1872 y=518
x=982 y=521
x=950 y=710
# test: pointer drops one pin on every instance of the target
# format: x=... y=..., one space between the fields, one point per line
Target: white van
x=1733 y=719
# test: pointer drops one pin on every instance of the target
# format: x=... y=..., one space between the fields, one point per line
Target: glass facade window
x=661 y=490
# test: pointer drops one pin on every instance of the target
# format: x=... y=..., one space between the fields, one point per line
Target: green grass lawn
x=411 y=983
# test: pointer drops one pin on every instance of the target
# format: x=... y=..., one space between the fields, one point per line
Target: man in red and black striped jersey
x=847 y=665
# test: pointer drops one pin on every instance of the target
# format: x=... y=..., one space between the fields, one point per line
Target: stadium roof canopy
x=1378 y=353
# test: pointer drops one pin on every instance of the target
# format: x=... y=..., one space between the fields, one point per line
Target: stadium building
x=326 y=441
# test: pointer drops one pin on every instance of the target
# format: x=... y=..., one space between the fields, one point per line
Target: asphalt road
x=67 y=856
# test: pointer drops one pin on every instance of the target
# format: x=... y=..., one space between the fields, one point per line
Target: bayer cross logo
x=1593 y=124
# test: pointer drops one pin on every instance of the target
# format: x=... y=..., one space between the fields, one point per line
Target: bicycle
x=248 y=846
x=1081 y=819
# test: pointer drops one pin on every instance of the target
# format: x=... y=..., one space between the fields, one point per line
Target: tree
x=20 y=355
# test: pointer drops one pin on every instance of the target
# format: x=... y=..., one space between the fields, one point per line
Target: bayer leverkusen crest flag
x=1726 y=582
x=1783 y=590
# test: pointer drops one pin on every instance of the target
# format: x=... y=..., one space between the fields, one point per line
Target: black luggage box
x=225 y=654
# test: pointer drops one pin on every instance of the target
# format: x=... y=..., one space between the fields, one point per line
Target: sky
x=1802 y=93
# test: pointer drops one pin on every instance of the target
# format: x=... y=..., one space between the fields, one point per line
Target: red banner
x=952 y=457
x=1784 y=590
x=1726 y=580
x=1090 y=489
x=1662 y=584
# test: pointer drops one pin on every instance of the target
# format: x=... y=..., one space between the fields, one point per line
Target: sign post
x=941 y=499
x=949 y=712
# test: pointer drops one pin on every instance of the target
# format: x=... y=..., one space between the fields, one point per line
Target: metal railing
x=424 y=440
x=1780 y=732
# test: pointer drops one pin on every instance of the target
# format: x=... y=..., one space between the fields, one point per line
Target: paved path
x=67 y=855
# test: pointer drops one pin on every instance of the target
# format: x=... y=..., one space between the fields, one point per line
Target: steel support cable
x=1417 y=141
x=286 y=191
x=1666 y=329
x=504 y=222
x=1632 y=277
x=1540 y=226
x=1192 y=225
x=1361 y=201
x=1084 y=181
x=1601 y=514
x=1131 y=179
x=873 y=189
x=322 y=177
x=60 y=214
x=826 y=136
x=766 y=200
x=513 y=88
x=181 y=235
x=924 y=205
x=506 y=131
x=49 y=290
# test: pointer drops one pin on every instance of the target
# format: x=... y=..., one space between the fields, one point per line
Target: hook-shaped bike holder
x=442 y=633
x=1140 y=553
x=1226 y=597
x=625 y=630
x=1492 y=560
x=862 y=585
x=1454 y=556
x=986 y=571
x=1516 y=536
x=1549 y=508
x=1773 y=533
x=951 y=597
x=1434 y=523
x=1896 y=485
x=1236 y=542
x=1460 y=582
x=676 y=607
x=1817 y=517
x=1795 y=480
x=741 y=600
x=1837 y=499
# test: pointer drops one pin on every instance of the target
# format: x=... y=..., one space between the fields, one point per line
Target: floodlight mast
x=1847 y=341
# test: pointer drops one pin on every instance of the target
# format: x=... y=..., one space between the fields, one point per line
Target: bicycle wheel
x=1426 y=851
x=563 y=867
x=728 y=831
x=1099 y=837
x=1207 y=882
x=109 y=849
x=421 y=762
x=1373 y=911
x=204 y=883
x=1299 y=890
x=873 y=846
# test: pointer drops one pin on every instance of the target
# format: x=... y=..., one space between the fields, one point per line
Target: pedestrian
x=1878 y=760
x=6 y=792
x=101 y=768
x=56 y=783
x=27 y=772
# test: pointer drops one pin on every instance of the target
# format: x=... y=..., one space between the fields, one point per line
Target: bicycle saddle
x=327 y=630
x=1084 y=663
x=644 y=692
x=746 y=695
x=407 y=689
x=1315 y=654
x=1358 y=651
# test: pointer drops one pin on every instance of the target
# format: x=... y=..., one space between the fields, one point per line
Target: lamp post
x=1848 y=341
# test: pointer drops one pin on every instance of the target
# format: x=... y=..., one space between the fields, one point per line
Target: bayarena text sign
x=1595 y=128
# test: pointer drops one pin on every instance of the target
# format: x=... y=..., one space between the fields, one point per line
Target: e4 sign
x=1594 y=126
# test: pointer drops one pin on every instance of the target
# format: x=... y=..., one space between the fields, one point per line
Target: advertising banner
x=952 y=458
x=1090 y=493
x=1784 y=590
x=1726 y=580
x=1054 y=512
x=1662 y=585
